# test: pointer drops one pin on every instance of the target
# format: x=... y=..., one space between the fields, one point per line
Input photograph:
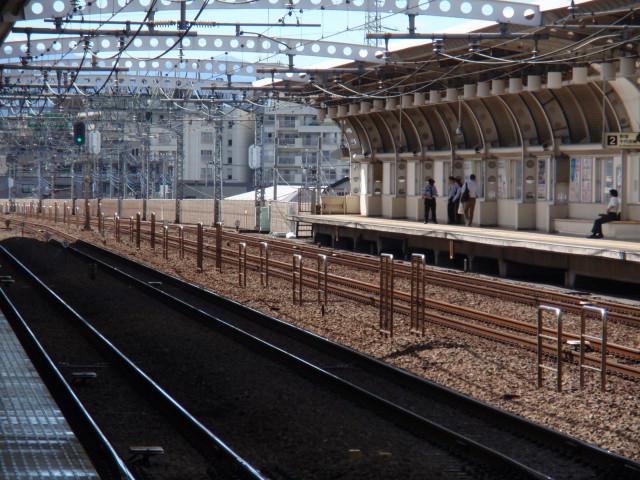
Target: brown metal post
x=87 y=215
x=386 y=295
x=165 y=242
x=181 y=230
x=101 y=224
x=417 y=294
x=451 y=251
x=55 y=208
x=219 y=247
x=200 y=247
x=264 y=264
x=557 y=338
x=64 y=213
x=77 y=219
x=131 y=229
x=584 y=338
x=322 y=280
x=242 y=264
x=138 y=218
x=296 y=279
x=116 y=221
x=153 y=231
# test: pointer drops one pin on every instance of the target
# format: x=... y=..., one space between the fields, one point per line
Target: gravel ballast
x=501 y=375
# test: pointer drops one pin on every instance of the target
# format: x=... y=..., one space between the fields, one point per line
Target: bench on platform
x=619 y=229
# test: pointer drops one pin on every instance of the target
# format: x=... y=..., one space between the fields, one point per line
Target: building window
x=309 y=140
x=510 y=179
x=206 y=156
x=288 y=121
x=608 y=176
x=206 y=138
x=229 y=160
x=229 y=142
x=475 y=167
x=581 y=171
x=286 y=158
x=287 y=139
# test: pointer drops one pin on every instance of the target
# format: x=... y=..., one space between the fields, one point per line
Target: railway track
x=419 y=401
x=409 y=455
x=144 y=432
x=507 y=330
x=573 y=302
x=569 y=302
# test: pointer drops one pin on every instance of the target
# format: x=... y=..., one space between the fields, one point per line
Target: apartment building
x=300 y=149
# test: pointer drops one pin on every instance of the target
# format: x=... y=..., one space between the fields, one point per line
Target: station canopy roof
x=318 y=52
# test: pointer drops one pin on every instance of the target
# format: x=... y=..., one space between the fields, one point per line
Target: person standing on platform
x=610 y=216
x=451 y=201
x=469 y=195
x=429 y=193
x=459 y=216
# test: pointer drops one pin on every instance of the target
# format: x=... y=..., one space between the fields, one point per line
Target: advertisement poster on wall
x=502 y=179
x=574 y=188
x=586 y=183
x=542 y=179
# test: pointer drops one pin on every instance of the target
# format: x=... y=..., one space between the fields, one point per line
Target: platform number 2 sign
x=612 y=140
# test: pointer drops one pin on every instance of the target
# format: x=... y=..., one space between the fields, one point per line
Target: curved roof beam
x=200 y=44
x=200 y=70
x=491 y=10
x=423 y=130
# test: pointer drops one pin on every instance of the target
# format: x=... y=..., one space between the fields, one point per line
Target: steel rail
x=283 y=270
x=387 y=409
x=618 y=313
x=373 y=291
x=401 y=377
x=193 y=429
x=107 y=462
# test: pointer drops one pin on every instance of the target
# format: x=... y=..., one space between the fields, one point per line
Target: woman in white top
x=610 y=216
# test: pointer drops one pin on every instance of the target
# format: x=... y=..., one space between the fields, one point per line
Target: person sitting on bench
x=610 y=216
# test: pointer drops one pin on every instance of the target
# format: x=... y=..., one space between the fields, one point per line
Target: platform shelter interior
x=546 y=149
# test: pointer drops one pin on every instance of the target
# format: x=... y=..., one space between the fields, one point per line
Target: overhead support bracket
x=100 y=33
x=516 y=13
x=471 y=37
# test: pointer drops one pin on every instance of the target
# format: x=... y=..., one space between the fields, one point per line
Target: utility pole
x=217 y=166
x=179 y=166
x=40 y=179
x=258 y=178
x=87 y=186
x=53 y=180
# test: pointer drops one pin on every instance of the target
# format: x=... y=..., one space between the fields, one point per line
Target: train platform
x=576 y=255
x=36 y=441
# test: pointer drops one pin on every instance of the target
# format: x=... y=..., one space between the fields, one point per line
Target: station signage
x=623 y=140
